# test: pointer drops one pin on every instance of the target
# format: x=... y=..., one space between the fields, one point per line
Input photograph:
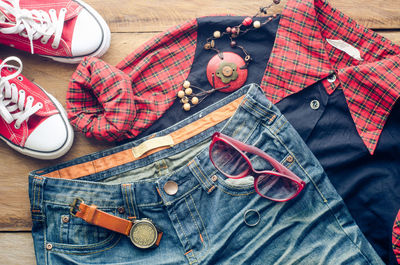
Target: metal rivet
x=289 y=159
x=49 y=246
x=65 y=219
x=331 y=78
x=314 y=104
x=170 y=187
x=121 y=210
x=214 y=178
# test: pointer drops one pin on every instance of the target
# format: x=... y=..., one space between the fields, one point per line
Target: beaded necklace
x=226 y=71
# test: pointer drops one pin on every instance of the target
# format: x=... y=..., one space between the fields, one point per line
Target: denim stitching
x=201 y=220
x=126 y=198
x=62 y=204
x=89 y=253
x=201 y=172
x=198 y=177
x=259 y=111
x=194 y=221
x=183 y=231
x=88 y=246
x=132 y=204
x=34 y=194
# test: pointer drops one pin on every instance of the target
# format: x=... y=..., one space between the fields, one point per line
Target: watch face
x=143 y=234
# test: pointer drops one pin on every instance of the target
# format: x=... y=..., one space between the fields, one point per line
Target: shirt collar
x=302 y=56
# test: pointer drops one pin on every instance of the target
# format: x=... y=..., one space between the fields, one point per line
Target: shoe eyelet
x=40 y=104
x=20 y=78
x=16 y=127
x=29 y=98
x=22 y=92
x=9 y=69
x=43 y=41
x=13 y=85
x=54 y=46
x=63 y=9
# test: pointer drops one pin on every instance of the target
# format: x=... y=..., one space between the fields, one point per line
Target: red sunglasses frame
x=282 y=171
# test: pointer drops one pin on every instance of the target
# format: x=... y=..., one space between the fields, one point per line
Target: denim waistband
x=254 y=108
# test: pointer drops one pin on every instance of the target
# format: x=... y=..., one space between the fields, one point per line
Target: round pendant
x=227 y=69
x=143 y=233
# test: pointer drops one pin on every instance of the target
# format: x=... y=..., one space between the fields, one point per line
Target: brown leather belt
x=143 y=233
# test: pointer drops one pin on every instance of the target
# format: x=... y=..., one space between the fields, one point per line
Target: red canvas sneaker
x=31 y=121
x=64 y=30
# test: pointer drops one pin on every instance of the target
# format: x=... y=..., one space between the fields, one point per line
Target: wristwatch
x=142 y=232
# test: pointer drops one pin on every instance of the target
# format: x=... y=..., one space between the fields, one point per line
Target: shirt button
x=170 y=187
x=314 y=104
x=331 y=78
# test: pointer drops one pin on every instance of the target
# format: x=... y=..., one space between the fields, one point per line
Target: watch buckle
x=75 y=206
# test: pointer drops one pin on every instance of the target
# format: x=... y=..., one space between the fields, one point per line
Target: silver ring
x=247 y=214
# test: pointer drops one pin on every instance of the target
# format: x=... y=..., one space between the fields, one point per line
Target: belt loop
x=36 y=197
x=128 y=194
x=202 y=177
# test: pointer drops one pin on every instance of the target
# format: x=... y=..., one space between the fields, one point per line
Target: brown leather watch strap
x=94 y=216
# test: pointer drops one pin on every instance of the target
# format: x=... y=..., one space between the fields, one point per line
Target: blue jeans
x=203 y=223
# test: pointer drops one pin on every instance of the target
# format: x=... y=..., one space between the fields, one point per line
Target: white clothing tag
x=346 y=47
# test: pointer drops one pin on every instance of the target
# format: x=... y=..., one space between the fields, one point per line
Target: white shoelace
x=33 y=24
x=12 y=100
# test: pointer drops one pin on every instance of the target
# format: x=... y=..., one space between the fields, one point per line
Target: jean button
x=170 y=187
x=314 y=104
x=214 y=178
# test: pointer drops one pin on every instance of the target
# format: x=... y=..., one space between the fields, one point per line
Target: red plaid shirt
x=144 y=85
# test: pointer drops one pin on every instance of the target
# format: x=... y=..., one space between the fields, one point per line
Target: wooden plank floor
x=132 y=22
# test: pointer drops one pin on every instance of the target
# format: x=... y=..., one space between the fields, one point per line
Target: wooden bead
x=233 y=43
x=186 y=84
x=186 y=106
x=247 y=21
x=228 y=30
x=181 y=94
x=185 y=100
x=257 y=24
x=234 y=30
x=188 y=91
x=207 y=46
x=212 y=43
x=217 y=34
x=276 y=2
x=195 y=100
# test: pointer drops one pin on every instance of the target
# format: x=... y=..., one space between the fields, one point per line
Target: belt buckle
x=144 y=234
x=75 y=206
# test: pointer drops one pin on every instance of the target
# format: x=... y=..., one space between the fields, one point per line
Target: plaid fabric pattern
x=116 y=103
x=301 y=56
x=396 y=237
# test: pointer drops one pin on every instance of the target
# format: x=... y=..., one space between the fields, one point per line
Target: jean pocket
x=235 y=187
x=72 y=234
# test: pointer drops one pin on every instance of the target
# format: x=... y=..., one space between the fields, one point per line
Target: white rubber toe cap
x=50 y=136
x=88 y=35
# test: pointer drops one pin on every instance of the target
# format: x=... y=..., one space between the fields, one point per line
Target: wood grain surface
x=132 y=22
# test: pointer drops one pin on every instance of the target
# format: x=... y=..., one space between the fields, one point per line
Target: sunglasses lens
x=228 y=160
x=276 y=187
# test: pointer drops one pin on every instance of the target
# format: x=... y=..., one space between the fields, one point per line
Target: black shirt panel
x=258 y=43
x=367 y=183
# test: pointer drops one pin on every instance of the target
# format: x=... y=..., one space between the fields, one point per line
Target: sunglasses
x=228 y=156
